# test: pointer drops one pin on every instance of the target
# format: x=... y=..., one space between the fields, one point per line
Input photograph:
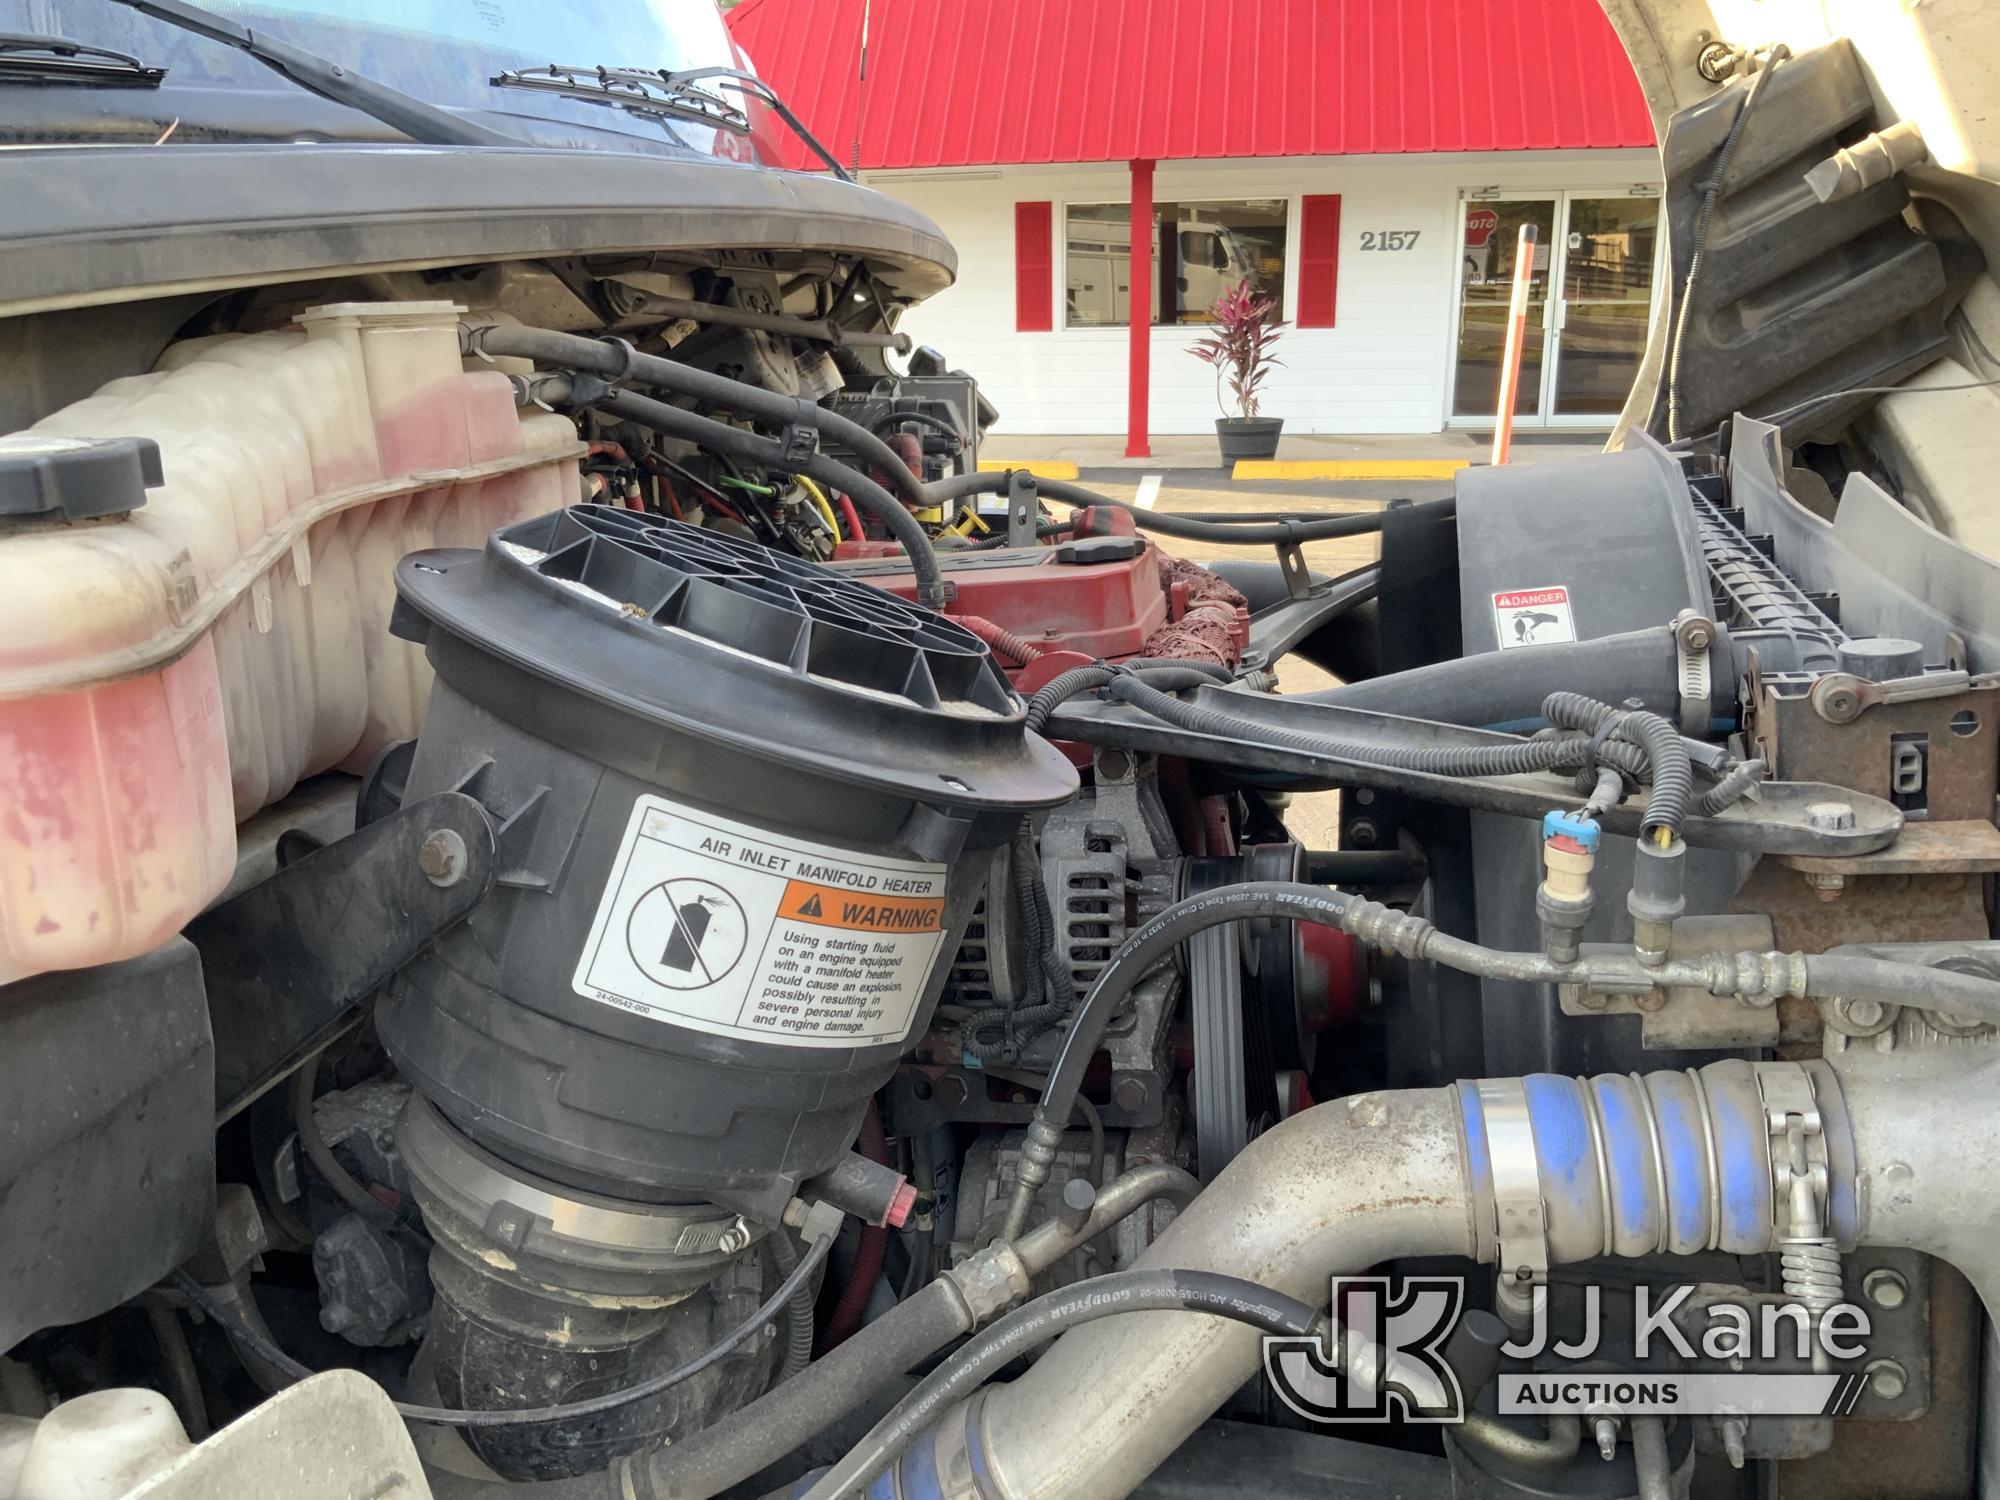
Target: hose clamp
x=1694 y=634
x=628 y=357
x=1520 y=1218
x=1799 y=1171
x=800 y=439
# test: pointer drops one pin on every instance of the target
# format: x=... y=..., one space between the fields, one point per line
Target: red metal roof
x=979 y=82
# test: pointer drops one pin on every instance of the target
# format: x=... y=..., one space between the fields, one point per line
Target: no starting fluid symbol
x=686 y=933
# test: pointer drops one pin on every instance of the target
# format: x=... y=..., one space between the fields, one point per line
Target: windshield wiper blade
x=57 y=59
x=424 y=123
x=662 y=95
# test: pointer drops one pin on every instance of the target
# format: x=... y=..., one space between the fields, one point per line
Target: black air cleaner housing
x=746 y=807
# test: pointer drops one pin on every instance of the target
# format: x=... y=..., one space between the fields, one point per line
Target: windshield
x=444 y=52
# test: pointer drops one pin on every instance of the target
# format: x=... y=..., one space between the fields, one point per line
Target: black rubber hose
x=1671 y=789
x=1731 y=789
x=798 y=1311
x=1045 y=1318
x=240 y=1330
x=1278 y=533
x=614 y=359
x=735 y=442
x=921 y=418
x=1059 y=689
x=1513 y=759
x=1509 y=687
x=1169 y=676
x=349 y=1188
x=1043 y=529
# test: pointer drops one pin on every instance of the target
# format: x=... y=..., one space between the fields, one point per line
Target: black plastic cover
x=726 y=639
x=76 y=479
x=107 y=1146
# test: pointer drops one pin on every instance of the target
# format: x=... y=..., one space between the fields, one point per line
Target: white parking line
x=1149 y=491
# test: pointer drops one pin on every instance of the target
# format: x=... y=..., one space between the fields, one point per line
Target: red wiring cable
x=853 y=519
x=1000 y=638
x=867 y=1267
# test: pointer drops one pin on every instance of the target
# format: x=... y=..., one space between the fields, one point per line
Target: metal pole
x=1517 y=333
x=1139 y=312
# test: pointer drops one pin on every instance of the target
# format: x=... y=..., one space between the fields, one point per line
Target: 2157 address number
x=1389 y=239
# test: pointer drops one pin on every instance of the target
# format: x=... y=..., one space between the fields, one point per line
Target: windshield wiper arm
x=424 y=123
x=663 y=95
x=57 y=59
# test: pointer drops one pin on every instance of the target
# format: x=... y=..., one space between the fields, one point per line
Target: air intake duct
x=747 y=806
x=744 y=807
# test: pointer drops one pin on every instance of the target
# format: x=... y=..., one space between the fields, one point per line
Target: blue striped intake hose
x=1526 y=1173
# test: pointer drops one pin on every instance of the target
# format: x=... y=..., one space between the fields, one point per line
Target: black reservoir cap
x=73 y=478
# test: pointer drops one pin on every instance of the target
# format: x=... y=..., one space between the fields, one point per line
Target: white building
x=1373 y=182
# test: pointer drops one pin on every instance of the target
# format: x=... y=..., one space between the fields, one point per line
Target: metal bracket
x=1024 y=508
x=1520 y=1218
x=287 y=962
x=1292 y=564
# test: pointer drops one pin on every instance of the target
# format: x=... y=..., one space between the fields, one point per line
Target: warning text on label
x=722 y=927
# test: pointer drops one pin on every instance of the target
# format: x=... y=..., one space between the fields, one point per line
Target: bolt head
x=1362 y=833
x=1885 y=1288
x=1887 y=1379
x=442 y=857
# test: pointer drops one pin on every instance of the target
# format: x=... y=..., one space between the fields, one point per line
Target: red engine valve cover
x=1105 y=596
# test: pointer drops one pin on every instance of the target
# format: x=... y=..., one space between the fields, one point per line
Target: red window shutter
x=1034 y=267
x=1319 y=259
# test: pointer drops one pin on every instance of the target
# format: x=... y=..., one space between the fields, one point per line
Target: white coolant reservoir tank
x=17 y=1435
x=196 y=578
x=99 y=1446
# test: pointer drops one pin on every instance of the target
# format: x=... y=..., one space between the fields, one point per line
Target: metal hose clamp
x=1520 y=1220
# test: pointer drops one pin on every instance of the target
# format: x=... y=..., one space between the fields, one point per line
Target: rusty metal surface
x=1922 y=848
x=1866 y=909
x=1930 y=1458
x=1957 y=733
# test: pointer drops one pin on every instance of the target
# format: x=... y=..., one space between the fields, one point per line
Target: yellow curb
x=1347 y=468
x=1041 y=468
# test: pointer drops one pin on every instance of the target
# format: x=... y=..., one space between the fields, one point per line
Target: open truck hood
x=1795 y=299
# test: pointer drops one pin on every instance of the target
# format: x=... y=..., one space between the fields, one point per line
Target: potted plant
x=1241 y=334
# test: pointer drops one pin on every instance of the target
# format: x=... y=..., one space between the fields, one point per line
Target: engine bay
x=591 y=907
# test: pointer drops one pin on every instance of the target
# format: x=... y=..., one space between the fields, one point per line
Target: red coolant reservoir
x=196 y=575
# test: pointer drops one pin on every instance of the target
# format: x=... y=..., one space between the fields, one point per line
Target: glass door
x=1591 y=295
x=1610 y=254
x=1490 y=234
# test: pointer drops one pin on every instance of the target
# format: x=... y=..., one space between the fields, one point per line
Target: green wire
x=744 y=484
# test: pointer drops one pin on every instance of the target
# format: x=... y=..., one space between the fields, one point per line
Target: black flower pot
x=1248 y=437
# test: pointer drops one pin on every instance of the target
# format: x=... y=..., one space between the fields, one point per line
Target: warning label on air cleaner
x=721 y=927
x=1533 y=617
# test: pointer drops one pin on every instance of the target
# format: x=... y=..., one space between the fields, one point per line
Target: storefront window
x=1200 y=251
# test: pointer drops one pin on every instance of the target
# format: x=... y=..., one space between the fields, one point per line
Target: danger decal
x=1533 y=617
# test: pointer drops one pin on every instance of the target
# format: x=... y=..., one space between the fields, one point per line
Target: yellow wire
x=824 y=505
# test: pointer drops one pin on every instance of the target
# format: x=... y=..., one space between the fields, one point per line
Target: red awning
x=956 y=83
